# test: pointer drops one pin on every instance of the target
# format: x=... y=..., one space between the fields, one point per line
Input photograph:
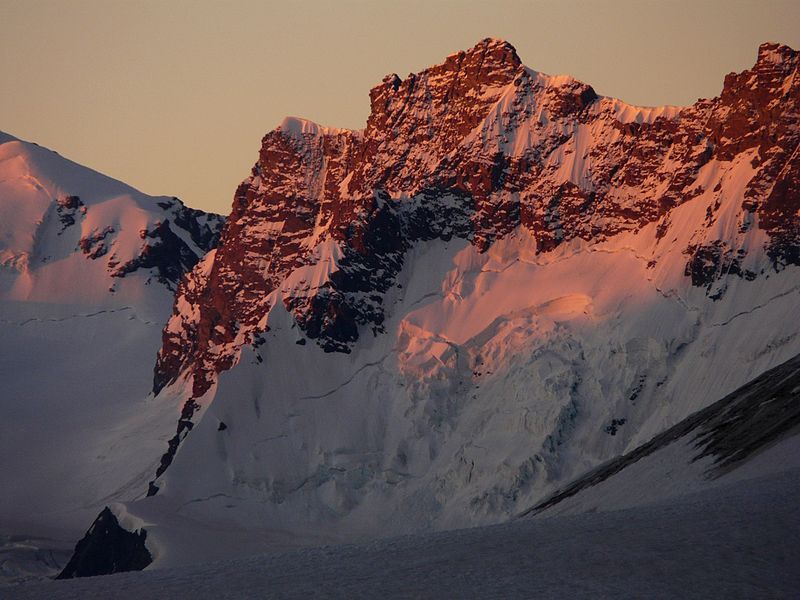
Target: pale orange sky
x=173 y=96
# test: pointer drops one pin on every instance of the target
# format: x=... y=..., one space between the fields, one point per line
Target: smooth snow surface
x=735 y=541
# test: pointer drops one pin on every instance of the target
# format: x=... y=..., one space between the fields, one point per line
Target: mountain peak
x=439 y=105
x=495 y=48
x=771 y=78
x=478 y=147
x=490 y=55
x=775 y=53
x=491 y=62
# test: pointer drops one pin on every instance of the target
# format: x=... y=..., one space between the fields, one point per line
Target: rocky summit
x=476 y=148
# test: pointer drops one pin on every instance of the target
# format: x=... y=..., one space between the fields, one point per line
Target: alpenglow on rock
x=475 y=148
x=503 y=281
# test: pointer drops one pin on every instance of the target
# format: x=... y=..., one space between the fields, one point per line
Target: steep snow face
x=499 y=283
x=751 y=433
x=88 y=266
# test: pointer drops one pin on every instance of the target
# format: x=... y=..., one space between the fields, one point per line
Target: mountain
x=504 y=281
x=88 y=269
x=500 y=286
x=478 y=148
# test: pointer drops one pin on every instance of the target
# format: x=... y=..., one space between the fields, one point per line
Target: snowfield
x=741 y=540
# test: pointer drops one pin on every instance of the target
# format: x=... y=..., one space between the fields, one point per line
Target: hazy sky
x=173 y=97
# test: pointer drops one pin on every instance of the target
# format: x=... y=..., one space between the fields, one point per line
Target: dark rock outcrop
x=163 y=251
x=107 y=548
x=68 y=209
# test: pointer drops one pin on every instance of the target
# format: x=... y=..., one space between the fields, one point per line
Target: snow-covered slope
x=705 y=509
x=88 y=266
x=737 y=541
x=502 y=282
x=751 y=433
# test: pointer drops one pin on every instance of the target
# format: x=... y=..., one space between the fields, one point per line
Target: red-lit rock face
x=473 y=148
